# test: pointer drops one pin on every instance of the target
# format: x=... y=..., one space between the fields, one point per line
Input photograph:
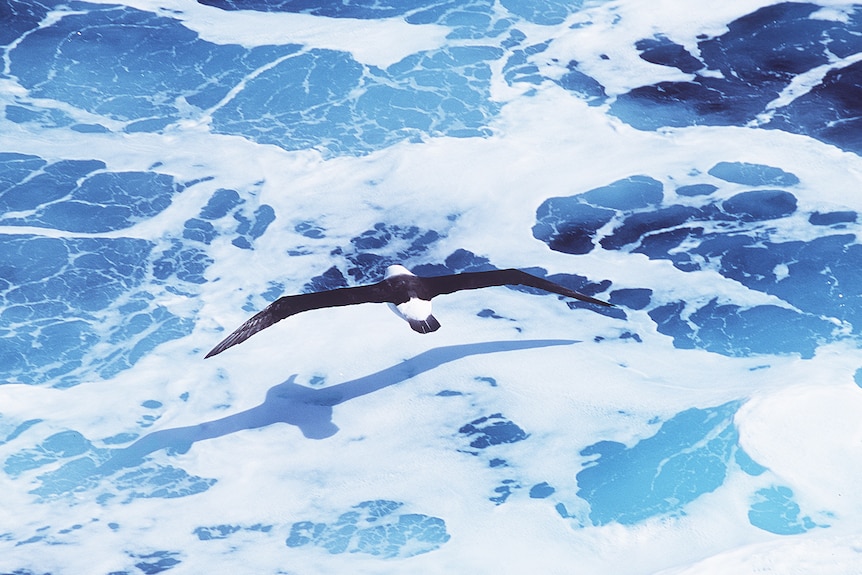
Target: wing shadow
x=307 y=408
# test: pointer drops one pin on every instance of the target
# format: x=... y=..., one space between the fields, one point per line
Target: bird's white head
x=396 y=270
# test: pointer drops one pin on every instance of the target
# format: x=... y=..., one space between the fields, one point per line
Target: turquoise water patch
x=541 y=490
x=157 y=562
x=503 y=491
x=688 y=457
x=774 y=510
x=79 y=195
x=224 y=531
x=373 y=528
x=83 y=467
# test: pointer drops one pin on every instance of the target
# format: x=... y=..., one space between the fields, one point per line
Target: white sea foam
x=401 y=442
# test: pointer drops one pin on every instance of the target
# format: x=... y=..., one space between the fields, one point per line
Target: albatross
x=407 y=294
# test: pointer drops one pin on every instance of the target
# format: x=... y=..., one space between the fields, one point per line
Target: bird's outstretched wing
x=474 y=280
x=293 y=304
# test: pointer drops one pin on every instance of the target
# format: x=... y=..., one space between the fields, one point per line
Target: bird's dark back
x=404 y=287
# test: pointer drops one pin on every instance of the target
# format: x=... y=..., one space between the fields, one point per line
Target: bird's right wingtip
x=588 y=299
x=212 y=352
x=223 y=345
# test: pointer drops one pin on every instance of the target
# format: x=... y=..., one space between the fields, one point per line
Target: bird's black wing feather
x=475 y=280
x=293 y=304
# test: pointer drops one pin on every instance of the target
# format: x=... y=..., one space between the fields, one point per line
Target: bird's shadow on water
x=307 y=408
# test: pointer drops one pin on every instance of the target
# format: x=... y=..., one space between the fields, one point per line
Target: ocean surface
x=168 y=168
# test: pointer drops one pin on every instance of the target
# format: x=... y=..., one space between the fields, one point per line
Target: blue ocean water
x=169 y=168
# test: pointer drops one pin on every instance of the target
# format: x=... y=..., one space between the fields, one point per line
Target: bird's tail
x=426 y=325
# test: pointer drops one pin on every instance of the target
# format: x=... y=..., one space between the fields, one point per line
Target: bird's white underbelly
x=414 y=308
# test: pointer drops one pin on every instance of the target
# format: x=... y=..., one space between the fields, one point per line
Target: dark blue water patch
x=504 y=491
x=89 y=129
x=328 y=280
x=492 y=430
x=736 y=331
x=687 y=457
x=462 y=260
x=774 y=510
x=310 y=230
x=475 y=16
x=586 y=87
x=449 y=393
x=458 y=261
x=497 y=462
x=251 y=229
x=157 y=562
x=79 y=196
x=187 y=264
x=248 y=227
x=220 y=204
x=568 y=225
x=822 y=276
x=639 y=224
x=489 y=313
x=760 y=205
x=678 y=104
x=831 y=110
x=485 y=379
x=747 y=68
x=20 y=17
x=44 y=117
x=630 y=193
x=630 y=335
x=752 y=174
x=365 y=10
x=541 y=490
x=696 y=190
x=373 y=528
x=832 y=218
x=23 y=190
x=663 y=51
x=398 y=244
x=15 y=168
x=198 y=230
x=372 y=239
x=819 y=277
x=215 y=532
x=633 y=298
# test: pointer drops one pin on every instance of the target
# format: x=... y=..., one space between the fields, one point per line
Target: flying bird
x=407 y=294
